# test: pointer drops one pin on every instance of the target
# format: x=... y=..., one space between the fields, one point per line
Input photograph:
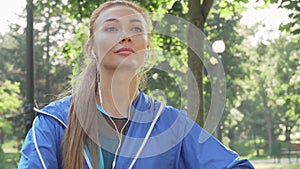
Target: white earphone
x=93 y=54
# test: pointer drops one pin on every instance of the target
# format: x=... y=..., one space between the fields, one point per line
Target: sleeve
x=200 y=149
x=41 y=146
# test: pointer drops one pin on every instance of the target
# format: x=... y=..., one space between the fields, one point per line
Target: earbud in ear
x=93 y=55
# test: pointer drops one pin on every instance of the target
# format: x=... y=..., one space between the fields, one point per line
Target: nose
x=126 y=38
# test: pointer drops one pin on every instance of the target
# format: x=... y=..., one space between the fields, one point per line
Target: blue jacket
x=175 y=141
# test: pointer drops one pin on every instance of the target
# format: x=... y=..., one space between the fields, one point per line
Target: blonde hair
x=82 y=117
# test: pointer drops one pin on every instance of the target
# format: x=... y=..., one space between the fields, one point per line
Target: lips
x=124 y=51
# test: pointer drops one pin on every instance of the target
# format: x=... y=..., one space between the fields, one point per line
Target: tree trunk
x=256 y=145
x=219 y=132
x=268 y=117
x=198 y=13
x=29 y=113
x=287 y=132
x=47 y=83
x=270 y=138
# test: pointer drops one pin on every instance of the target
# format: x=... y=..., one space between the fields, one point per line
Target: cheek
x=104 y=43
x=141 y=42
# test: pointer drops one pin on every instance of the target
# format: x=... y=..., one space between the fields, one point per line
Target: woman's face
x=120 y=40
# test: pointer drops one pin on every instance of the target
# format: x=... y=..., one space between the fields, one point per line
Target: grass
x=11 y=155
x=11 y=160
x=277 y=166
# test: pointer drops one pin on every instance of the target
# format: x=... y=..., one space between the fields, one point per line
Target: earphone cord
x=120 y=137
x=115 y=126
x=98 y=78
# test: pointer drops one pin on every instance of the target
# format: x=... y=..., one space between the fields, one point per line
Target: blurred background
x=257 y=42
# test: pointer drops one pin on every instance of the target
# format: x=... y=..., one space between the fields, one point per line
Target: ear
x=93 y=54
x=90 y=50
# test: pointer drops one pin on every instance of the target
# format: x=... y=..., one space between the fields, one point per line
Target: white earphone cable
x=115 y=126
x=162 y=105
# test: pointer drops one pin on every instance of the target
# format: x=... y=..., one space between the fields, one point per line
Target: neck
x=119 y=88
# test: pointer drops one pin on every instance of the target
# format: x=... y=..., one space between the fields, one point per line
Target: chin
x=130 y=63
x=133 y=66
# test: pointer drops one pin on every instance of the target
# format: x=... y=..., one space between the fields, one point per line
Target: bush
x=244 y=147
x=2 y=158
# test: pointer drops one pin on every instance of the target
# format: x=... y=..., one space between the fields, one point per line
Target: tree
x=198 y=13
x=287 y=75
x=51 y=73
x=29 y=113
x=226 y=30
x=54 y=30
x=293 y=6
x=269 y=86
x=10 y=105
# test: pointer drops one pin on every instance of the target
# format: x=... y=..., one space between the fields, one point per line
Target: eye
x=111 y=29
x=136 y=29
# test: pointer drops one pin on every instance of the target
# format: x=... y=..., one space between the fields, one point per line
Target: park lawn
x=11 y=155
x=277 y=166
x=11 y=160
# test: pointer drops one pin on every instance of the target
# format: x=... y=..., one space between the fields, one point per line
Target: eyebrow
x=116 y=20
x=135 y=20
x=111 y=20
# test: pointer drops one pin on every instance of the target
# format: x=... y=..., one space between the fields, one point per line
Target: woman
x=108 y=122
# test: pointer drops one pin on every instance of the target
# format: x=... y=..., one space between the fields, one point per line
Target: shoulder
x=56 y=110
x=144 y=102
x=170 y=117
x=42 y=143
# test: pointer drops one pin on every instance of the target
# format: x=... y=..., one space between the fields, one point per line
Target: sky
x=8 y=13
x=271 y=17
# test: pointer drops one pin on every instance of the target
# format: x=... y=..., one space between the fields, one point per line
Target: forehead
x=119 y=13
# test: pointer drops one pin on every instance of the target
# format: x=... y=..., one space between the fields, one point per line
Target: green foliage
x=9 y=160
x=172 y=55
x=73 y=52
x=271 y=67
x=224 y=28
x=244 y=147
x=229 y=9
x=294 y=8
x=260 y=80
x=9 y=96
x=9 y=103
x=12 y=53
x=51 y=70
x=82 y=9
x=2 y=158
